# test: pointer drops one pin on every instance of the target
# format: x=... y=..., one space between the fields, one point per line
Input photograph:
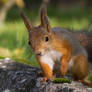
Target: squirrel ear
x=44 y=19
x=26 y=21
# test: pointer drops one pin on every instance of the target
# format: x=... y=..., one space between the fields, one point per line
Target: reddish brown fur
x=80 y=64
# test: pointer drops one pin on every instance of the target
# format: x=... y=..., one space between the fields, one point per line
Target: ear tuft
x=43 y=11
x=44 y=19
x=26 y=21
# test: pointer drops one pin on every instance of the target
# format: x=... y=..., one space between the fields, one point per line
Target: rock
x=17 y=77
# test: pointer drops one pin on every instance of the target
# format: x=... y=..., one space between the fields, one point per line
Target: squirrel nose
x=38 y=53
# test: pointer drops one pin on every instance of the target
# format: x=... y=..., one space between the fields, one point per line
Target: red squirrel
x=57 y=50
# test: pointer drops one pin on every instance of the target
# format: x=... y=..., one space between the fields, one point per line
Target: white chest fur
x=50 y=58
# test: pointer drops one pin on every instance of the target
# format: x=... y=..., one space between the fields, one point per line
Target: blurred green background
x=71 y=14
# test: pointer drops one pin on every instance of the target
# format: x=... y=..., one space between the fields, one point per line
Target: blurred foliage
x=14 y=35
x=3 y=1
x=20 y=3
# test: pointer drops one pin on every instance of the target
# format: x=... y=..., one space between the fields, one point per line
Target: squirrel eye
x=29 y=43
x=46 y=39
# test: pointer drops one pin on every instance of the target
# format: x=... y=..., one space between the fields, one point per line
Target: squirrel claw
x=44 y=79
x=40 y=74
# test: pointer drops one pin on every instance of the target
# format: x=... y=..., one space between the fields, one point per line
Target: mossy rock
x=62 y=80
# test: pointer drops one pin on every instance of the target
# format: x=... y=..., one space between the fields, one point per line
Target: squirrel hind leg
x=80 y=67
x=80 y=70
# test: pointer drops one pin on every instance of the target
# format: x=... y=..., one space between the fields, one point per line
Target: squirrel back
x=65 y=34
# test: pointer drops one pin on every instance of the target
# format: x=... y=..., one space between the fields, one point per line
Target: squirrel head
x=40 y=38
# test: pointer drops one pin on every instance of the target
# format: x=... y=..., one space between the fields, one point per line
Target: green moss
x=62 y=80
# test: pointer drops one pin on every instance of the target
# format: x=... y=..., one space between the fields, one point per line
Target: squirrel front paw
x=40 y=74
x=63 y=71
x=44 y=79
